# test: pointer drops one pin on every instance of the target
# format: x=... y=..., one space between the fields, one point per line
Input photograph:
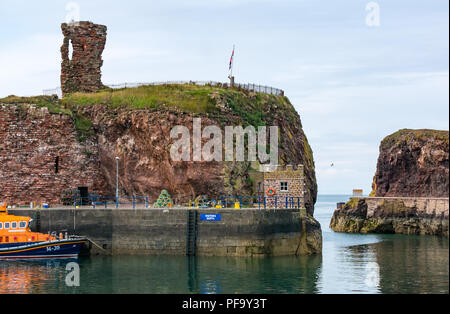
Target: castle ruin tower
x=81 y=71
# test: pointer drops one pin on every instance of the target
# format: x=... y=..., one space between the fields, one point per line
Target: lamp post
x=117 y=179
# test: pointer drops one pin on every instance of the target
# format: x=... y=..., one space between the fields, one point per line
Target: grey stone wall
x=249 y=232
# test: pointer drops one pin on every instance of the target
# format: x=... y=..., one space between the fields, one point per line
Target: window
x=260 y=187
x=14 y=225
x=6 y=225
x=284 y=186
x=1 y=226
x=22 y=224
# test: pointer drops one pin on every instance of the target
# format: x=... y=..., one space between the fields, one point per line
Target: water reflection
x=137 y=274
x=31 y=277
x=350 y=263
x=418 y=264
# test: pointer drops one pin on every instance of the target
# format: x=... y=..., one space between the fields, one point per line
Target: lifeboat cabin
x=16 y=230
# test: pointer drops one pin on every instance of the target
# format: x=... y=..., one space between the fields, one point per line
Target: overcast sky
x=352 y=82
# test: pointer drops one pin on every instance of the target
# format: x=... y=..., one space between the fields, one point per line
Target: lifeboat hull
x=68 y=248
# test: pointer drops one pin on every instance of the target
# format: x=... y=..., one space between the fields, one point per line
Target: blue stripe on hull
x=58 y=249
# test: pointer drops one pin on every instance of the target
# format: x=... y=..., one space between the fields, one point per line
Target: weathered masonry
x=283 y=182
x=81 y=71
x=41 y=156
x=249 y=232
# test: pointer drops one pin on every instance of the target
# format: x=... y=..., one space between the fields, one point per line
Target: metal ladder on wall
x=191 y=233
x=38 y=220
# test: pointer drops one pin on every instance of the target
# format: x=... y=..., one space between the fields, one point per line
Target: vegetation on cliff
x=108 y=112
x=407 y=135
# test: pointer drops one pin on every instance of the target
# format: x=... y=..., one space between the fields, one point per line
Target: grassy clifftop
x=189 y=98
x=406 y=135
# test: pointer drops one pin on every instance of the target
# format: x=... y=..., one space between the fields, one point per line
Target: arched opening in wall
x=70 y=49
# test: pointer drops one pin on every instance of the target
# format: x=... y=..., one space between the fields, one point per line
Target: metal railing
x=52 y=91
x=250 y=87
x=263 y=202
x=225 y=202
x=112 y=201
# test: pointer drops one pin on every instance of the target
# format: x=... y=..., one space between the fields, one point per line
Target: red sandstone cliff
x=32 y=139
x=141 y=139
x=413 y=175
x=413 y=163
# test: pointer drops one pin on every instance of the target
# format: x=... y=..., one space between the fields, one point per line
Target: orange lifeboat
x=17 y=241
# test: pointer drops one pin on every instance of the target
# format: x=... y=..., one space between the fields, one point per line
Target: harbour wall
x=404 y=215
x=247 y=232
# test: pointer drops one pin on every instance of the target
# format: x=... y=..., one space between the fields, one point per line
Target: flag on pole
x=231 y=59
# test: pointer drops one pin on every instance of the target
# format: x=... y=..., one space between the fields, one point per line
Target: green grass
x=190 y=98
x=51 y=102
x=406 y=135
x=83 y=127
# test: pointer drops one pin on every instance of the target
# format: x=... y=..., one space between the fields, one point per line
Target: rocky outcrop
x=141 y=139
x=91 y=134
x=410 y=188
x=424 y=216
x=413 y=163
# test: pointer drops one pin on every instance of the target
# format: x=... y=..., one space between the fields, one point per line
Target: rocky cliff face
x=411 y=188
x=141 y=139
x=135 y=125
x=413 y=163
x=425 y=216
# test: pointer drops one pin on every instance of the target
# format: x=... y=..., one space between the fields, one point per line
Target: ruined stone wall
x=40 y=156
x=81 y=72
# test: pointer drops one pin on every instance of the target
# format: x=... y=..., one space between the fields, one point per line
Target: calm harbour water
x=349 y=264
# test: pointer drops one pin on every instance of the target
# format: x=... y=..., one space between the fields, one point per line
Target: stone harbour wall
x=164 y=232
